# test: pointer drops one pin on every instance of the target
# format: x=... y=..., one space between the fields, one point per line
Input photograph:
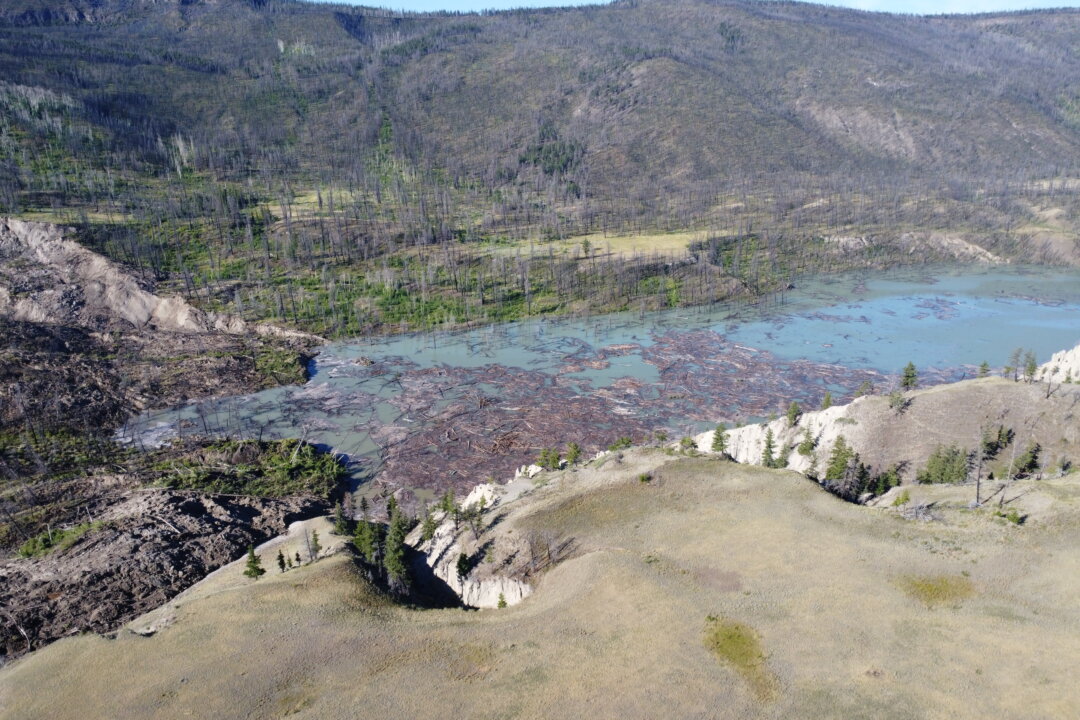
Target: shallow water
x=405 y=398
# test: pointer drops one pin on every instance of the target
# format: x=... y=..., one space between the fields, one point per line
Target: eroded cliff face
x=1064 y=366
x=902 y=437
x=747 y=444
x=495 y=572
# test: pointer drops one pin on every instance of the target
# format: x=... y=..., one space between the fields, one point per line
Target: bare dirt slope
x=47 y=277
x=711 y=590
x=152 y=351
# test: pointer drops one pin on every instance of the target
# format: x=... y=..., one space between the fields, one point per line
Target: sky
x=903 y=6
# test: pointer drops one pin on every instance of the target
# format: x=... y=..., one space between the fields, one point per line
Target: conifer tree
x=429 y=527
x=253 y=568
x=397 y=571
x=341 y=526
x=281 y=561
x=826 y=402
x=573 y=453
x=794 y=412
x=1014 y=363
x=1031 y=366
x=768 y=454
x=366 y=541
x=315 y=548
x=719 y=439
x=839 y=458
x=909 y=379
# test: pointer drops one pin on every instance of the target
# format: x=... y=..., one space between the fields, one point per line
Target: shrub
x=1013 y=516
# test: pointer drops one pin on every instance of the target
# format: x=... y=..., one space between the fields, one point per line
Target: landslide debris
x=136 y=533
x=138 y=552
x=85 y=345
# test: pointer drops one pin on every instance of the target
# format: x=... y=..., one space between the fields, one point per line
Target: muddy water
x=435 y=411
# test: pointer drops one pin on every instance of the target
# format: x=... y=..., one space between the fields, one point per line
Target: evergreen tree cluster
x=849 y=478
x=382 y=548
x=947 y=464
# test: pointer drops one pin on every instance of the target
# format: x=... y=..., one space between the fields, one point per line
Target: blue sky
x=906 y=6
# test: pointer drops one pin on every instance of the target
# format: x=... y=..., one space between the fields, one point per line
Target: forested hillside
x=345 y=169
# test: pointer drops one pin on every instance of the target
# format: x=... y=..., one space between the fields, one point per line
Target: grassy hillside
x=713 y=589
x=345 y=169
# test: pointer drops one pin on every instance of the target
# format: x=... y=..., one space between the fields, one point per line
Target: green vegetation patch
x=935 y=590
x=50 y=540
x=266 y=469
x=738 y=645
x=282 y=367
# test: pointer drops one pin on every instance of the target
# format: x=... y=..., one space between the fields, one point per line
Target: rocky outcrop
x=1064 y=366
x=488 y=582
x=747 y=444
x=47 y=278
x=141 y=551
x=902 y=437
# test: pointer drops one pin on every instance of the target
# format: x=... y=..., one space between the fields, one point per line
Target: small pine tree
x=1031 y=366
x=826 y=402
x=1013 y=367
x=299 y=562
x=429 y=527
x=502 y=601
x=253 y=568
x=341 y=526
x=366 y=541
x=316 y=548
x=865 y=388
x=364 y=507
x=794 y=412
x=768 y=454
x=394 y=555
x=281 y=561
x=839 y=458
x=462 y=566
x=719 y=439
x=288 y=562
x=909 y=379
x=808 y=443
x=984 y=369
x=573 y=453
